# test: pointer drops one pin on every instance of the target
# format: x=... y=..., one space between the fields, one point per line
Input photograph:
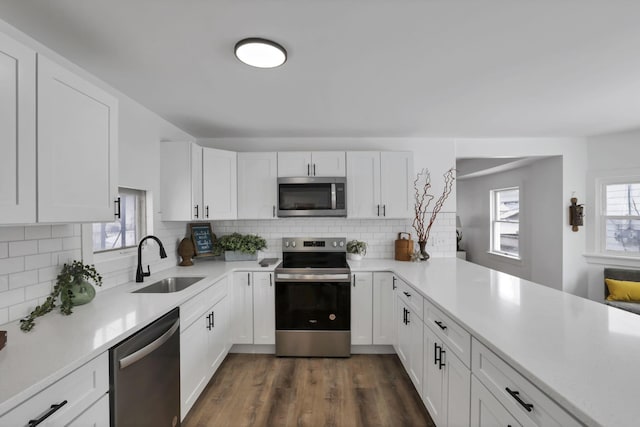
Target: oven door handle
x=340 y=278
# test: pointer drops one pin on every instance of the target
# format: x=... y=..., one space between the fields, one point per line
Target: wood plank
x=264 y=390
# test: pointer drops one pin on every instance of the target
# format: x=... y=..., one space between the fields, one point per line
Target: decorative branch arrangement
x=422 y=185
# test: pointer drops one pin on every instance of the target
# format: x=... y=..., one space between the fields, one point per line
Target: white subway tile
x=22 y=279
x=38 y=291
x=49 y=245
x=19 y=311
x=4 y=316
x=69 y=243
x=4 y=284
x=48 y=273
x=12 y=297
x=11 y=265
x=35 y=232
x=33 y=262
x=24 y=247
x=62 y=230
x=8 y=234
x=4 y=249
x=67 y=257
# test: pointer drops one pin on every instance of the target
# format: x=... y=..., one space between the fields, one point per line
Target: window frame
x=601 y=206
x=493 y=220
x=142 y=221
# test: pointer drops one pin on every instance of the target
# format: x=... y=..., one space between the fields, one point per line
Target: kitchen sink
x=168 y=285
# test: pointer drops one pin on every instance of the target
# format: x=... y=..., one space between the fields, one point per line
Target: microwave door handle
x=333 y=196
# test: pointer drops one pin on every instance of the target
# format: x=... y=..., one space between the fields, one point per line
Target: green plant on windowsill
x=72 y=288
x=248 y=243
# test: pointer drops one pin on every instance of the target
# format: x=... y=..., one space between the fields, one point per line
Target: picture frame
x=203 y=238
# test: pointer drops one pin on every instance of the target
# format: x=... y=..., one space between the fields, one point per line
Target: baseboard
x=271 y=349
x=372 y=349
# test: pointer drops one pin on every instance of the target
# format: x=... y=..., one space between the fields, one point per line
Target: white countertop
x=581 y=353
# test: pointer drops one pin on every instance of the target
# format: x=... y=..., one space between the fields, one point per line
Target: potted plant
x=356 y=249
x=239 y=247
x=72 y=288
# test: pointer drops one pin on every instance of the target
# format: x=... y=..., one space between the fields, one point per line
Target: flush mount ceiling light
x=260 y=53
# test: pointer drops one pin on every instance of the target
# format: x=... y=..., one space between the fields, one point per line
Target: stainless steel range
x=313 y=298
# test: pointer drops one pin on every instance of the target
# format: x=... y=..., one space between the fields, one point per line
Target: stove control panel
x=314 y=244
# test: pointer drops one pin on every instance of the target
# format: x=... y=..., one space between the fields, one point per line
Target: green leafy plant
x=248 y=243
x=72 y=273
x=357 y=247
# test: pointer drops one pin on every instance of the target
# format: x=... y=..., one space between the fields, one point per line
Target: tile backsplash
x=379 y=234
x=31 y=256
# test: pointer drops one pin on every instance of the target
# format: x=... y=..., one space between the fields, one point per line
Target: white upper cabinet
x=257 y=185
x=77 y=147
x=197 y=183
x=379 y=184
x=306 y=163
x=219 y=184
x=17 y=133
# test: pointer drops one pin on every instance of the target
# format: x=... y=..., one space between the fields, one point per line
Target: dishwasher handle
x=145 y=351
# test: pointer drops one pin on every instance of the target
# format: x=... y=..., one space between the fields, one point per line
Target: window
x=126 y=231
x=505 y=222
x=621 y=217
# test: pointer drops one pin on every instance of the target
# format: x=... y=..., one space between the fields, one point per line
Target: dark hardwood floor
x=264 y=390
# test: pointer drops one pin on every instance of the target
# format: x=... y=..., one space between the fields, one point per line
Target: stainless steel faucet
x=140 y=274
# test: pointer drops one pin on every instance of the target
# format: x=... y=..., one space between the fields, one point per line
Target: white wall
x=31 y=256
x=574 y=164
x=608 y=155
x=541 y=215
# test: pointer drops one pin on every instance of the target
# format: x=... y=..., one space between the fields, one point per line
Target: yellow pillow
x=622 y=290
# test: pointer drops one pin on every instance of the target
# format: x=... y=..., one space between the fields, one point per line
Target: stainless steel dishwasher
x=145 y=376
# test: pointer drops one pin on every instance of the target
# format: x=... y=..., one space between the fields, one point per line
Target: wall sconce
x=576 y=214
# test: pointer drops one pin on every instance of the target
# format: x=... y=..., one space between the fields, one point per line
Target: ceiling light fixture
x=260 y=53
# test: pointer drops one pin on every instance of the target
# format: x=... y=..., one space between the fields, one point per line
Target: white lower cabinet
x=361 y=308
x=264 y=308
x=410 y=337
x=486 y=410
x=69 y=401
x=384 y=296
x=203 y=343
x=446 y=383
x=254 y=312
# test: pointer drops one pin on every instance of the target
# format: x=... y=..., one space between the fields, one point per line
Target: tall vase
x=424 y=255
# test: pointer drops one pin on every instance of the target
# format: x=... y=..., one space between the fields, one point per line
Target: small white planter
x=239 y=256
x=354 y=257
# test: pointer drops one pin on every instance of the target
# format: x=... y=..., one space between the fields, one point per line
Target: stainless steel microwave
x=312 y=196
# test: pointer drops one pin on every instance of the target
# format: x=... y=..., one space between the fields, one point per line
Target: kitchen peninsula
x=575 y=351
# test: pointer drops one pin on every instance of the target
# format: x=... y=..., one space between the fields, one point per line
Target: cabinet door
x=415 y=350
x=97 y=415
x=458 y=377
x=77 y=147
x=486 y=410
x=328 y=163
x=217 y=335
x=294 y=163
x=264 y=309
x=363 y=184
x=383 y=305
x=17 y=133
x=180 y=181
x=396 y=184
x=433 y=386
x=242 y=323
x=257 y=185
x=362 y=308
x=403 y=333
x=219 y=184
x=193 y=363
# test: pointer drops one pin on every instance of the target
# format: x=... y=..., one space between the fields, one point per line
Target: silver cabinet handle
x=145 y=351
x=274 y=211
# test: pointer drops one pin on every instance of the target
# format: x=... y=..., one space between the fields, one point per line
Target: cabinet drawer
x=453 y=335
x=193 y=309
x=515 y=392
x=411 y=297
x=79 y=389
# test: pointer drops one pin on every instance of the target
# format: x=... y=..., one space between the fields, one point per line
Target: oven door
x=313 y=306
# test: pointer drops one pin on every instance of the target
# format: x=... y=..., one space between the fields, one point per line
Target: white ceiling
x=460 y=68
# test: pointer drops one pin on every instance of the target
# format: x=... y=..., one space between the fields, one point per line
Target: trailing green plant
x=247 y=243
x=72 y=273
x=357 y=247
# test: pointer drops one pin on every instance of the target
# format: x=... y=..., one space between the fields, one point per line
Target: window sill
x=609 y=259
x=507 y=258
